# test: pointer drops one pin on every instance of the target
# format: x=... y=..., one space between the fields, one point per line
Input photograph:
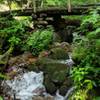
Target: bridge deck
x=50 y=11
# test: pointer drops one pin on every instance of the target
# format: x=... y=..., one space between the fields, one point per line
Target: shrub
x=86 y=51
x=12 y=32
x=39 y=41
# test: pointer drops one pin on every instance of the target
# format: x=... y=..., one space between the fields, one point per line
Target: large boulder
x=55 y=73
x=22 y=60
x=57 y=51
x=53 y=64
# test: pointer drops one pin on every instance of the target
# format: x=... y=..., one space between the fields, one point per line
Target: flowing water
x=30 y=84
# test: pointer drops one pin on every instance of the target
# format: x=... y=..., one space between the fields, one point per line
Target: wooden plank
x=52 y=11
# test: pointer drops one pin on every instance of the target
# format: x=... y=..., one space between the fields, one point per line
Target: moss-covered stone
x=63 y=90
x=56 y=72
x=50 y=86
x=58 y=53
x=59 y=76
x=60 y=50
x=32 y=67
x=50 y=65
x=65 y=86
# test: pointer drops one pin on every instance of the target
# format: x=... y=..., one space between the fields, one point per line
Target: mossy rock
x=59 y=76
x=32 y=67
x=53 y=68
x=63 y=90
x=65 y=86
x=59 y=53
x=50 y=65
x=60 y=50
x=56 y=71
x=49 y=85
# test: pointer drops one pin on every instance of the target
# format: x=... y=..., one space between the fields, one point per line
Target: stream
x=29 y=84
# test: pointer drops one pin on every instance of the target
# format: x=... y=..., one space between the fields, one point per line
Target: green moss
x=50 y=87
x=59 y=76
x=54 y=68
x=59 y=53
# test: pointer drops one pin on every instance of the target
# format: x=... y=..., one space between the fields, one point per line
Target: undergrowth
x=86 y=73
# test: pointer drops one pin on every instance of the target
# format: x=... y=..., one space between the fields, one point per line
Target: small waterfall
x=29 y=84
x=69 y=92
x=69 y=62
x=58 y=96
x=25 y=86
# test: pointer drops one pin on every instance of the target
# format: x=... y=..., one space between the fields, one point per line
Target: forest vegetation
x=19 y=35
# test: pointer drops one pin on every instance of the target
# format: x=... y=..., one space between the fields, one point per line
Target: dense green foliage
x=86 y=53
x=39 y=41
x=14 y=33
x=15 y=38
x=1 y=98
x=11 y=32
x=85 y=74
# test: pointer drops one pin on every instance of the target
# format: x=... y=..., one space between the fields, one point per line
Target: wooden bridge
x=52 y=11
x=53 y=14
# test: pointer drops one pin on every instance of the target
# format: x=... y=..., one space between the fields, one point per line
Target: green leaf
x=1 y=98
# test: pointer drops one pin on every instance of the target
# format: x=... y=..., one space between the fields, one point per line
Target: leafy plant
x=12 y=32
x=85 y=74
x=96 y=98
x=39 y=41
x=83 y=92
x=2 y=76
x=78 y=74
x=1 y=98
x=14 y=40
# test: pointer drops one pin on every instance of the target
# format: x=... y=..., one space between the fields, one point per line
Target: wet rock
x=14 y=71
x=63 y=90
x=54 y=65
x=49 y=97
x=65 y=86
x=50 y=66
x=57 y=51
x=19 y=59
x=38 y=98
x=44 y=54
x=22 y=61
x=55 y=72
x=33 y=67
x=50 y=87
